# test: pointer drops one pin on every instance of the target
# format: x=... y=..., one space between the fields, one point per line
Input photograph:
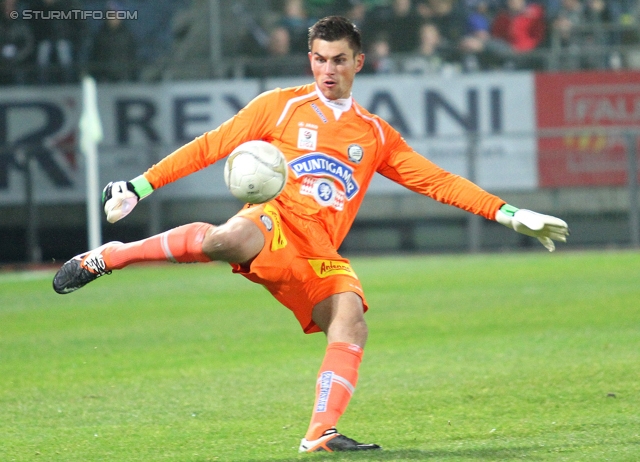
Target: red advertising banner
x=582 y=119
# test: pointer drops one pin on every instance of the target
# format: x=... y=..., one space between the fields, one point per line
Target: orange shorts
x=298 y=264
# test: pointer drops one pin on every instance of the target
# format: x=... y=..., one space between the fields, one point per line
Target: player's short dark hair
x=333 y=28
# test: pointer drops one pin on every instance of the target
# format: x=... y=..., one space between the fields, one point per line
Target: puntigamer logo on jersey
x=318 y=164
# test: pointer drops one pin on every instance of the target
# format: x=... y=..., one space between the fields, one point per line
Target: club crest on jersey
x=355 y=153
x=319 y=164
x=324 y=192
x=307 y=139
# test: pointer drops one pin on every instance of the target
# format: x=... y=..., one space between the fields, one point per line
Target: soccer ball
x=256 y=172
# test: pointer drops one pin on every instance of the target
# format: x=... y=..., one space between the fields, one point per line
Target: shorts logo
x=326 y=268
x=319 y=164
x=279 y=241
x=266 y=221
x=355 y=153
x=307 y=139
x=325 y=389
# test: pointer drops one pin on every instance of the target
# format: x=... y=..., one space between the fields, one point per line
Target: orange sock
x=179 y=245
x=336 y=383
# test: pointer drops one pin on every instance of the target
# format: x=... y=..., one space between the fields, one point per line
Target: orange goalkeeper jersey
x=332 y=157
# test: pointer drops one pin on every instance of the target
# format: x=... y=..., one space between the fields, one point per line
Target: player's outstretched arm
x=544 y=227
x=120 y=197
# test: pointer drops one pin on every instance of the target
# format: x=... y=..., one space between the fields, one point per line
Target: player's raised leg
x=239 y=240
x=341 y=318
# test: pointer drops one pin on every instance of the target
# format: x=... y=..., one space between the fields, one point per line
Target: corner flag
x=90 y=135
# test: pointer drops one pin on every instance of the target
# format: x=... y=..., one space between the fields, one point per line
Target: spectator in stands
x=579 y=35
x=551 y=8
x=278 y=60
x=517 y=29
x=379 y=59
x=622 y=9
x=113 y=51
x=429 y=58
x=479 y=17
x=569 y=17
x=296 y=21
x=597 y=11
x=449 y=16
x=477 y=34
x=155 y=33
x=624 y=13
x=520 y=25
x=322 y=8
x=354 y=10
x=597 y=16
x=16 y=46
x=279 y=42
x=253 y=34
x=566 y=36
x=57 y=41
x=190 y=54
x=399 y=22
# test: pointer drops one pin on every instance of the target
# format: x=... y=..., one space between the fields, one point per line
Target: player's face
x=334 y=66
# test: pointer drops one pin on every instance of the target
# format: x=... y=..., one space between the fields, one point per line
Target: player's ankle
x=106 y=256
x=316 y=431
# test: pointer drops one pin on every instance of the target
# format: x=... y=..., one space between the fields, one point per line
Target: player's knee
x=235 y=241
x=341 y=318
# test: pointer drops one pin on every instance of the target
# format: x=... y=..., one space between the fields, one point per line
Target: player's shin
x=336 y=383
x=179 y=245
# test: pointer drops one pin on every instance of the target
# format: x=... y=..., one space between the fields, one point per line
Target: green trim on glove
x=141 y=186
x=509 y=210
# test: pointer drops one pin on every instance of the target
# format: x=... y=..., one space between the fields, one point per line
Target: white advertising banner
x=143 y=123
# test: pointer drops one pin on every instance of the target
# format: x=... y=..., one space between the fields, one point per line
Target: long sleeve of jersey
x=249 y=123
x=410 y=169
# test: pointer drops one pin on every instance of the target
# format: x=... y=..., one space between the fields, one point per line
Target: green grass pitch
x=528 y=356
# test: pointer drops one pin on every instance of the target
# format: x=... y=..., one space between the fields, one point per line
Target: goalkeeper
x=333 y=147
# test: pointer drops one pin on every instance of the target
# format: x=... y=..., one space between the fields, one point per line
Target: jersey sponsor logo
x=319 y=112
x=355 y=153
x=279 y=241
x=307 y=139
x=319 y=164
x=326 y=268
x=326 y=378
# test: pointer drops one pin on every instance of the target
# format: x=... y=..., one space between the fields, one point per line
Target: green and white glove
x=120 y=197
x=544 y=227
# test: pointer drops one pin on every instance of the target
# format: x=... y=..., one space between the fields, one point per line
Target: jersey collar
x=338 y=106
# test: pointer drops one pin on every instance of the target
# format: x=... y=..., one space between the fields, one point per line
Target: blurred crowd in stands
x=196 y=39
x=428 y=36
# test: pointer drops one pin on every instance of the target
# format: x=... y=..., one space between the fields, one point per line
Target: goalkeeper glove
x=120 y=197
x=544 y=227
